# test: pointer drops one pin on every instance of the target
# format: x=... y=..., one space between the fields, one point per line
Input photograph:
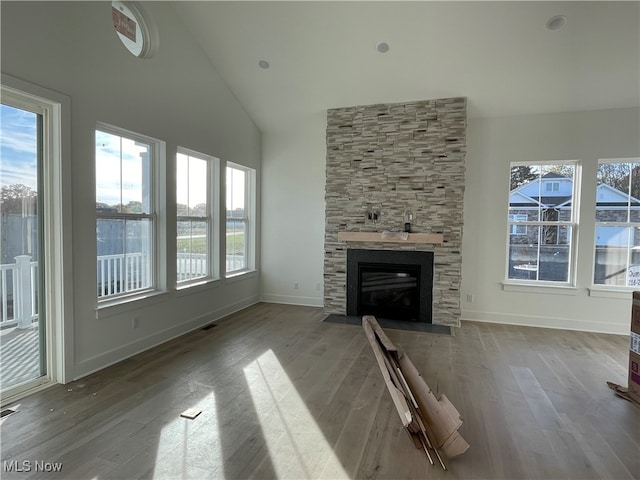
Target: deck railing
x=116 y=274
x=18 y=292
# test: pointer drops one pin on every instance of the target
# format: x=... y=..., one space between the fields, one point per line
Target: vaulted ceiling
x=500 y=55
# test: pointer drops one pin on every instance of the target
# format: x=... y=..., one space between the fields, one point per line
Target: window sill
x=546 y=289
x=109 y=308
x=233 y=277
x=197 y=287
x=620 y=293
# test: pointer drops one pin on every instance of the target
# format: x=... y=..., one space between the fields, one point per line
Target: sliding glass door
x=22 y=320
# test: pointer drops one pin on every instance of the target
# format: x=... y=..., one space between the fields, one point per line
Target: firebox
x=390 y=284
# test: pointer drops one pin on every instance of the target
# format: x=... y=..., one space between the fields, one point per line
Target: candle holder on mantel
x=408 y=220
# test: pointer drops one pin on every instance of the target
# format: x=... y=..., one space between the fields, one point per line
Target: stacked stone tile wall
x=394 y=159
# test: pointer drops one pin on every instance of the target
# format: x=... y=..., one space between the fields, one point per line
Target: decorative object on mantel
x=408 y=218
x=392 y=237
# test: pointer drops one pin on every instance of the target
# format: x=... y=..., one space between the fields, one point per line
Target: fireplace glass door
x=389 y=291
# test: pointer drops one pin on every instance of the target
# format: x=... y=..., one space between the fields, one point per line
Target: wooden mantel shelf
x=381 y=237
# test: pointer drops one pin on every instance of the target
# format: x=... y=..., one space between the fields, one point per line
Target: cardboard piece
x=432 y=422
x=191 y=413
x=634 y=350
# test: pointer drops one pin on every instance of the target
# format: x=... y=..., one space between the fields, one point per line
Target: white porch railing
x=18 y=292
x=123 y=273
x=116 y=274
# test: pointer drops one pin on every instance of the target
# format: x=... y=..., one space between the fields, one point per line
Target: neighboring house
x=548 y=199
x=541 y=251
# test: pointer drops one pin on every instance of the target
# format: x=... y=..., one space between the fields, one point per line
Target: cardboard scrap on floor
x=431 y=422
x=621 y=391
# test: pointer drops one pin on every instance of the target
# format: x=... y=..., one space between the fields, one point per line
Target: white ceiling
x=499 y=55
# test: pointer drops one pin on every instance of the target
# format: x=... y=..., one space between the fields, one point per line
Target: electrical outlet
x=134 y=322
x=318 y=286
x=469 y=297
x=296 y=285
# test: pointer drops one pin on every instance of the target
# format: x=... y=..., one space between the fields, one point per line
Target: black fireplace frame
x=424 y=260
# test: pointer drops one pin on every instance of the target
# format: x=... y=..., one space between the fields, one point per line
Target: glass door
x=22 y=322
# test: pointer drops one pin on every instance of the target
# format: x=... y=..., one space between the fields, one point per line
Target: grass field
x=235 y=244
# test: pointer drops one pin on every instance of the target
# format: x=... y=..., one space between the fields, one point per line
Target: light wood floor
x=284 y=395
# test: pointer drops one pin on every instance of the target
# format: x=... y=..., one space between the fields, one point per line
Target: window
x=125 y=211
x=195 y=207
x=240 y=187
x=552 y=186
x=515 y=228
x=542 y=221
x=617 y=239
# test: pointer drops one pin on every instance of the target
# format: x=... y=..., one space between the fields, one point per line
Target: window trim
x=58 y=235
x=212 y=215
x=156 y=197
x=572 y=223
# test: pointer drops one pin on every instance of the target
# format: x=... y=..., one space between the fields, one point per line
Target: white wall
x=492 y=145
x=176 y=96
x=293 y=214
x=293 y=179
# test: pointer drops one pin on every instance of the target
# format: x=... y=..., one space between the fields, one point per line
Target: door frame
x=57 y=233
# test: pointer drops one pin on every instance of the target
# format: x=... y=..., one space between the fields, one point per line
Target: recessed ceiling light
x=556 y=22
x=263 y=64
x=382 y=47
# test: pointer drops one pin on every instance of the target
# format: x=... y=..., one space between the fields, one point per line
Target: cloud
x=18 y=147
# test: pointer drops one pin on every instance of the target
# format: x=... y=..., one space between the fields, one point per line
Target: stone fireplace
x=387 y=164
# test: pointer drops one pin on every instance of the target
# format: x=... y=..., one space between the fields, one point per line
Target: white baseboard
x=99 y=362
x=546 y=322
x=292 y=300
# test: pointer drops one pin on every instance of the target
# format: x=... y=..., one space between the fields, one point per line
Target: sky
x=18 y=147
x=118 y=164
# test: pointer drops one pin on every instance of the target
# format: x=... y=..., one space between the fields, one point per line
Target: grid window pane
x=544 y=255
x=125 y=255
x=541 y=222
x=192 y=248
x=122 y=174
x=236 y=248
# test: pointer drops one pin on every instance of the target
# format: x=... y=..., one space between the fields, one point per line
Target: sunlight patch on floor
x=191 y=448
x=297 y=446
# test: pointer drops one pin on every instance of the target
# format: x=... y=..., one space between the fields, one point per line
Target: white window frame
x=211 y=218
x=157 y=167
x=572 y=223
x=249 y=219
x=628 y=224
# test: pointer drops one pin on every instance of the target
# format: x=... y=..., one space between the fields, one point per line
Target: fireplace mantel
x=413 y=238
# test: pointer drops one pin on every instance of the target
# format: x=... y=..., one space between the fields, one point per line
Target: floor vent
x=210 y=326
x=6 y=412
